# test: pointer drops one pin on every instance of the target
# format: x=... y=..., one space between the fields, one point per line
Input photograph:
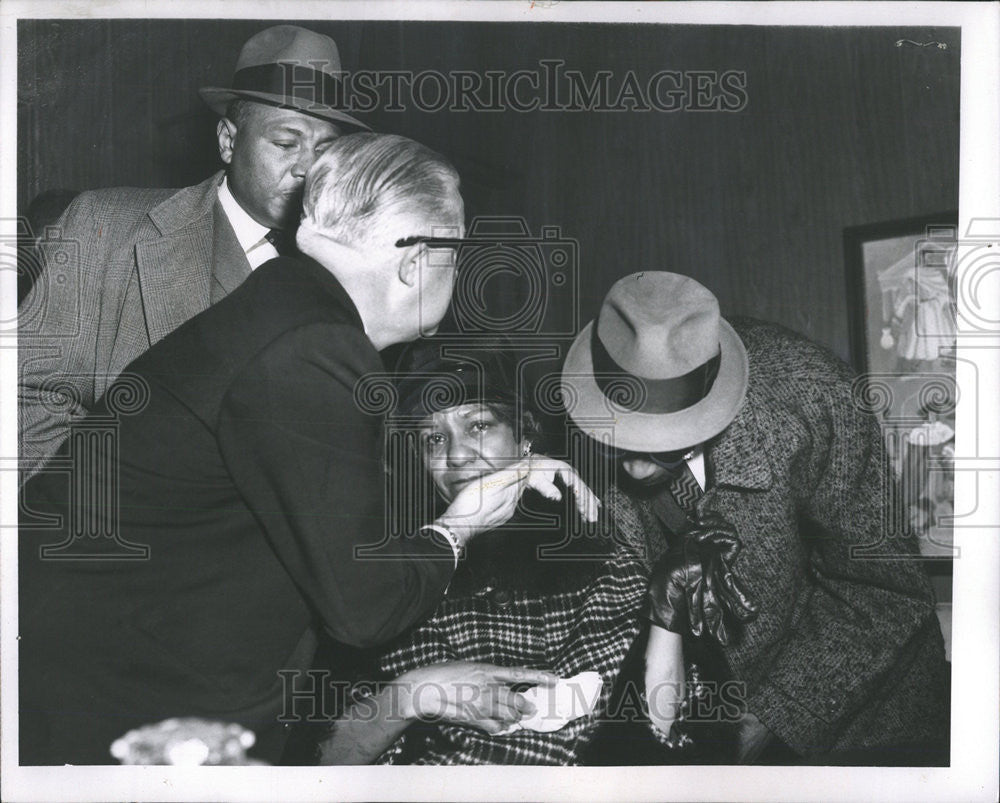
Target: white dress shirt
x=697 y=465
x=249 y=232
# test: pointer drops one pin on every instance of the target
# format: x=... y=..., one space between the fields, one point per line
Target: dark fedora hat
x=660 y=366
x=289 y=67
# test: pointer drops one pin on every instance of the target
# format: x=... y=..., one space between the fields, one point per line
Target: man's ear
x=409 y=265
x=226 y=132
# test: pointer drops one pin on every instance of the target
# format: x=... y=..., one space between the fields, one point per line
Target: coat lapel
x=737 y=464
x=175 y=271
x=229 y=260
x=737 y=458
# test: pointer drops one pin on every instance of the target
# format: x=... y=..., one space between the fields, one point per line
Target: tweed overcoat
x=125 y=267
x=846 y=654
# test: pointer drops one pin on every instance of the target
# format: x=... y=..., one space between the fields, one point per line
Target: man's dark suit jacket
x=251 y=474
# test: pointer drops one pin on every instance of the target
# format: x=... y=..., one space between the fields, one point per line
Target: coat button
x=501 y=598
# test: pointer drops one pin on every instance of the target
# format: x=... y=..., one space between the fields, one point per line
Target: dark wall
x=842 y=127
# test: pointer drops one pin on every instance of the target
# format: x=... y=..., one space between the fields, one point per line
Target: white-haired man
x=143 y=261
x=252 y=476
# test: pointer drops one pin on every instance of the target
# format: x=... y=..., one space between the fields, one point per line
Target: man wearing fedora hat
x=146 y=260
x=750 y=429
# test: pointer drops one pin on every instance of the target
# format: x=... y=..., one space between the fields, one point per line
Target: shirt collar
x=696 y=465
x=248 y=231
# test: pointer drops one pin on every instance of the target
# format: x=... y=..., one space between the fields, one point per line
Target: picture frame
x=901 y=312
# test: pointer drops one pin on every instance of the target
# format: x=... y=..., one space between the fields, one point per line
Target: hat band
x=290 y=80
x=655 y=396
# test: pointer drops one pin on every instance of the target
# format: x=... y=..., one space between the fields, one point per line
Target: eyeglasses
x=431 y=242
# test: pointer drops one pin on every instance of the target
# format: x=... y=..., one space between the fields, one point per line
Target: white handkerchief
x=556 y=706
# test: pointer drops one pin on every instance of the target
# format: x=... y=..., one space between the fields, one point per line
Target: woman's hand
x=664 y=677
x=489 y=503
x=468 y=693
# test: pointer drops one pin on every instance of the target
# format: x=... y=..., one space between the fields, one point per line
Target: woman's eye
x=433 y=441
x=480 y=426
x=285 y=146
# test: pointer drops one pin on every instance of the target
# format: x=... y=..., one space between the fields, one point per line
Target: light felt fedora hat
x=290 y=67
x=660 y=366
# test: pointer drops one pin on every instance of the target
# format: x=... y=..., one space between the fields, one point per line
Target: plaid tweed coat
x=129 y=266
x=847 y=653
x=508 y=607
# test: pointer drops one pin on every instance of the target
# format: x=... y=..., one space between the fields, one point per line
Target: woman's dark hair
x=431 y=377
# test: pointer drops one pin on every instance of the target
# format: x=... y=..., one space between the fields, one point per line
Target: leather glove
x=693 y=587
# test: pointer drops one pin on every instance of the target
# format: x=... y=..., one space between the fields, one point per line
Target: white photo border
x=974 y=770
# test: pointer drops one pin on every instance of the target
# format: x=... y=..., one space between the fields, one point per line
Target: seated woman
x=540 y=598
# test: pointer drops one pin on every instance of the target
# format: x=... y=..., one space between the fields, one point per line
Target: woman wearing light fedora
x=750 y=429
x=144 y=261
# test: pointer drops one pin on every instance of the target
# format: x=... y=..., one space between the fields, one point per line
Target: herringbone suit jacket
x=126 y=267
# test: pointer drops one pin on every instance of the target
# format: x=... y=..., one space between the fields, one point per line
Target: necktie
x=674 y=505
x=283 y=242
x=685 y=489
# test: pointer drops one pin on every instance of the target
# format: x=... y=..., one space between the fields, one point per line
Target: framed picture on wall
x=901 y=301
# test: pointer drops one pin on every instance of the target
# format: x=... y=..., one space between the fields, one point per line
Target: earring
x=527 y=449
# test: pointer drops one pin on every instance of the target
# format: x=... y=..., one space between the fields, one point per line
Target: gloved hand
x=693 y=588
